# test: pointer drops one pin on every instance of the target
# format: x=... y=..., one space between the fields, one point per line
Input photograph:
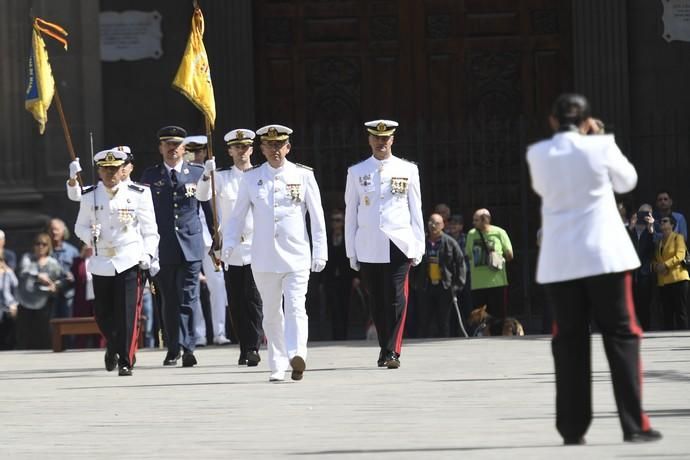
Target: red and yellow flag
x=41 y=85
x=193 y=78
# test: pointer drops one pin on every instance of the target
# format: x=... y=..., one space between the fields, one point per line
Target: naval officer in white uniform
x=384 y=233
x=74 y=190
x=118 y=218
x=280 y=193
x=242 y=294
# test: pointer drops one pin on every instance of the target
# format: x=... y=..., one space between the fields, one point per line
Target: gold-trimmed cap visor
x=381 y=127
x=274 y=133
x=239 y=136
x=110 y=157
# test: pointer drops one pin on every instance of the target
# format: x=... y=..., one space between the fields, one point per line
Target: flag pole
x=65 y=129
x=217 y=241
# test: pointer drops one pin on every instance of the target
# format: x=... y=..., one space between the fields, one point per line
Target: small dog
x=483 y=324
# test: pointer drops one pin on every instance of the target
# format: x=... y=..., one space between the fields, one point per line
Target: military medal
x=399 y=185
x=190 y=190
x=126 y=217
x=365 y=180
x=293 y=191
x=260 y=183
x=366 y=200
x=185 y=171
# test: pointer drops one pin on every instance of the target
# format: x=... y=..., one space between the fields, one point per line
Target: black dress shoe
x=575 y=441
x=392 y=360
x=643 y=436
x=124 y=371
x=253 y=358
x=171 y=360
x=298 y=365
x=382 y=359
x=242 y=361
x=110 y=361
x=188 y=359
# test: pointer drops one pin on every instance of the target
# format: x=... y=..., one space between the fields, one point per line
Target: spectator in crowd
x=664 y=204
x=443 y=210
x=65 y=253
x=623 y=211
x=338 y=278
x=641 y=230
x=83 y=295
x=456 y=226
x=8 y=305
x=672 y=275
x=438 y=280
x=584 y=263
x=41 y=280
x=489 y=276
x=8 y=255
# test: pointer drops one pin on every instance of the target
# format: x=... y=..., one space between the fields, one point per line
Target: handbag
x=495 y=260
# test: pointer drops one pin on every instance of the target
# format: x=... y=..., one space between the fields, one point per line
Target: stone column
x=600 y=51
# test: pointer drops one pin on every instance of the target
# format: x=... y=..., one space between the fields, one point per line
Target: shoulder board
x=223 y=169
x=197 y=165
x=88 y=189
x=253 y=168
x=303 y=166
x=136 y=188
x=140 y=184
x=408 y=161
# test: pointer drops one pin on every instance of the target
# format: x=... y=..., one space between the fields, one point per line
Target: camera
x=641 y=215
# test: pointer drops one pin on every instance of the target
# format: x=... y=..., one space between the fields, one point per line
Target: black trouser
x=608 y=299
x=179 y=291
x=434 y=309
x=33 y=327
x=117 y=308
x=674 y=305
x=387 y=284
x=495 y=300
x=246 y=308
x=643 y=286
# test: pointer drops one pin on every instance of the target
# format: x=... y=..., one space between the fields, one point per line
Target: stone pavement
x=457 y=398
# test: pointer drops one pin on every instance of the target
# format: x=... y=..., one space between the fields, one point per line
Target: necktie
x=173 y=177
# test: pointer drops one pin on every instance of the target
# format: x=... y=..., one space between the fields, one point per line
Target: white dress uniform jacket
x=227 y=190
x=74 y=191
x=582 y=232
x=279 y=199
x=382 y=204
x=129 y=233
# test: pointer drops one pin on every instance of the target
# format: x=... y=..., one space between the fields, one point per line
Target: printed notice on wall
x=130 y=35
x=676 y=20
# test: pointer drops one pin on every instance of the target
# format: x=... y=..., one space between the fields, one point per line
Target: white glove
x=318 y=265
x=145 y=263
x=209 y=166
x=227 y=252
x=95 y=231
x=416 y=261
x=354 y=264
x=155 y=267
x=74 y=168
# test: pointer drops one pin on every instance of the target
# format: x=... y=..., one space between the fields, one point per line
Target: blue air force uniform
x=181 y=247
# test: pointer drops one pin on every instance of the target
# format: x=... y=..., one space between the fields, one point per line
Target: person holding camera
x=585 y=260
x=672 y=275
x=641 y=231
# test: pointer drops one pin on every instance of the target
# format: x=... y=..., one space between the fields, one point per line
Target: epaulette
x=409 y=161
x=223 y=169
x=88 y=189
x=191 y=163
x=253 y=167
x=140 y=184
x=136 y=188
x=303 y=166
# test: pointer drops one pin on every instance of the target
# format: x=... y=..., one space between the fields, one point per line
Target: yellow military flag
x=41 y=86
x=193 y=78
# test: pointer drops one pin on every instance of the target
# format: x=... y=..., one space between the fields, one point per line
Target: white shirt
x=129 y=233
x=227 y=189
x=583 y=234
x=383 y=204
x=279 y=200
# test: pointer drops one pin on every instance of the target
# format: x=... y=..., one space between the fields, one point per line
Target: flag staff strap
x=65 y=129
x=217 y=240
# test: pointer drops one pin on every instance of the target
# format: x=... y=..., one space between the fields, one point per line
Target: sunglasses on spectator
x=665 y=221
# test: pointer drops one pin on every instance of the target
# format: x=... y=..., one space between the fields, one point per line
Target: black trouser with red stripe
x=387 y=284
x=117 y=310
x=246 y=308
x=608 y=299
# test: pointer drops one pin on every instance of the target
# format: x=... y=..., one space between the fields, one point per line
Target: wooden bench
x=84 y=325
